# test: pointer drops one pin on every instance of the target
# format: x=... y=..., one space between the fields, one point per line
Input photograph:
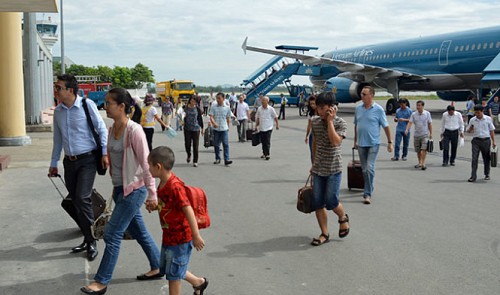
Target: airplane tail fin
x=244 y=46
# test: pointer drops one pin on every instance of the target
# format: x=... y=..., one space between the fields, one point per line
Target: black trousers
x=192 y=137
x=282 y=111
x=265 y=140
x=480 y=145
x=149 y=136
x=79 y=176
x=450 y=137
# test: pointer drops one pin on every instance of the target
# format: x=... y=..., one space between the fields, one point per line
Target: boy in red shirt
x=180 y=230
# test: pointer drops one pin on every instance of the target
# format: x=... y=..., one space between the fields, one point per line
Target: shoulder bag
x=101 y=170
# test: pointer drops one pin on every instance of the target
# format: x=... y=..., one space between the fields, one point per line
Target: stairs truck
x=177 y=89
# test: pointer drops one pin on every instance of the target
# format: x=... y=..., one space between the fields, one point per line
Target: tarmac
x=426 y=232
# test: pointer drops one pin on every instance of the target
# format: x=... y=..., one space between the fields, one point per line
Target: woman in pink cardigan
x=133 y=186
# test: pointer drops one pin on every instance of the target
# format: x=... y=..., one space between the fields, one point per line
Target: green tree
x=122 y=77
x=141 y=73
x=105 y=73
x=56 y=68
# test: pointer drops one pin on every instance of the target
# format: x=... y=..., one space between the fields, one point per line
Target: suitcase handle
x=58 y=176
x=353 y=158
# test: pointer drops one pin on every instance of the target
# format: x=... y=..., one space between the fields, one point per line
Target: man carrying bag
x=73 y=134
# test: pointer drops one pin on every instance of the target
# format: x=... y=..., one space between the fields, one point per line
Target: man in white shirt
x=423 y=132
x=242 y=114
x=452 y=125
x=264 y=123
x=483 y=136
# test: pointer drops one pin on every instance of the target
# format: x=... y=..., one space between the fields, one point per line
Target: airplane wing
x=351 y=69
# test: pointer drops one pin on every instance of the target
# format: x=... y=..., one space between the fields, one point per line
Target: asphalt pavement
x=426 y=232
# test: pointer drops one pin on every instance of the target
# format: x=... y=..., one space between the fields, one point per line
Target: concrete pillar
x=12 y=123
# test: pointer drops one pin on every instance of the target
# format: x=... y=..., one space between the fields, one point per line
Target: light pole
x=63 y=67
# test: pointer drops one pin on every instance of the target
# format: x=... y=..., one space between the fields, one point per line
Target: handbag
x=256 y=138
x=304 y=197
x=493 y=156
x=101 y=170
x=430 y=146
x=441 y=146
x=99 y=225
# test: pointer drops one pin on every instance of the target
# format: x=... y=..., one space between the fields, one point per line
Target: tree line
x=129 y=78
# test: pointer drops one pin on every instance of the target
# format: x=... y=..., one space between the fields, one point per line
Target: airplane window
x=498 y=44
x=491 y=45
x=456 y=48
x=421 y=51
x=485 y=45
x=461 y=48
x=474 y=47
x=404 y=54
x=426 y=51
x=413 y=53
x=478 y=46
x=467 y=47
x=394 y=55
x=399 y=54
x=435 y=50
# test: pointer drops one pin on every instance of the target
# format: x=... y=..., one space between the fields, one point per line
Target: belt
x=74 y=158
x=481 y=138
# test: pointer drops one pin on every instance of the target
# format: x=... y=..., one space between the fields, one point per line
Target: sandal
x=318 y=242
x=344 y=232
x=198 y=290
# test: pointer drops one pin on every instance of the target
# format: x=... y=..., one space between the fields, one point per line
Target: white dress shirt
x=453 y=122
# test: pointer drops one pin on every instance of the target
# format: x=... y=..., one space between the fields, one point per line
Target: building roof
x=29 y=6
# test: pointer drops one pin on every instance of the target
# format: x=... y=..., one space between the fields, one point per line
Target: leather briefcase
x=304 y=197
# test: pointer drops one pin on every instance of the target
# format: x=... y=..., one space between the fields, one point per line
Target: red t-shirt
x=171 y=198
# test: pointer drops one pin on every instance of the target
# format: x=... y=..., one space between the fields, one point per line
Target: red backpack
x=198 y=200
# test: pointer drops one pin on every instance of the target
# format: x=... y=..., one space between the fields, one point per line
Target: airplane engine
x=345 y=90
x=454 y=95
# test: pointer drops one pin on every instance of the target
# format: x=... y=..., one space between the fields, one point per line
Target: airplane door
x=443 y=53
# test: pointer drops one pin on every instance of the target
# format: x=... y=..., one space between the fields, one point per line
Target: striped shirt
x=327 y=158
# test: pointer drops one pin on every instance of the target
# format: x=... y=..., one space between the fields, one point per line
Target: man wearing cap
x=452 y=125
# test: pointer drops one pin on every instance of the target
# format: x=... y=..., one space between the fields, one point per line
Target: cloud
x=200 y=40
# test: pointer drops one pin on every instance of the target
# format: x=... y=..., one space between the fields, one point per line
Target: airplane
x=451 y=64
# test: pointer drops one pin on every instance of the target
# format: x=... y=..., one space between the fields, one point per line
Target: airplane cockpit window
x=467 y=47
x=435 y=50
x=456 y=48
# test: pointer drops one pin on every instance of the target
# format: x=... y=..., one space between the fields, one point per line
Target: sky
x=201 y=40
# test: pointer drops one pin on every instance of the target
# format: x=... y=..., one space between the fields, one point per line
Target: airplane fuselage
x=453 y=61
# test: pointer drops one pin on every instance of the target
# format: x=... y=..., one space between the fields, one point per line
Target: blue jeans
x=126 y=217
x=326 y=191
x=368 y=156
x=221 y=136
x=406 y=142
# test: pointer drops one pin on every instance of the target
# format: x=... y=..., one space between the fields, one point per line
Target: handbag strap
x=308 y=179
x=91 y=125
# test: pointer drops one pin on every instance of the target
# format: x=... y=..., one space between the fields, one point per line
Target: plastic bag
x=461 y=142
x=171 y=133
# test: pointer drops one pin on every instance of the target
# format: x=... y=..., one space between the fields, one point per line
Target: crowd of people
x=127 y=150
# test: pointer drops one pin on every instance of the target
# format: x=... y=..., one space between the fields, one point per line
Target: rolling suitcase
x=98 y=202
x=208 y=137
x=249 y=132
x=355 y=174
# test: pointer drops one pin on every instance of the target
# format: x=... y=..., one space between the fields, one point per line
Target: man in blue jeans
x=402 y=117
x=220 y=114
x=368 y=118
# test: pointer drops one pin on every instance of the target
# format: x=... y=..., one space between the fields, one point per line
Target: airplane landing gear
x=391 y=106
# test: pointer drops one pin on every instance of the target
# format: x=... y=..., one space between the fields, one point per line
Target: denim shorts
x=326 y=191
x=174 y=260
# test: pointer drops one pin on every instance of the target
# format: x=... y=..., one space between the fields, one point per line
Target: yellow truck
x=177 y=89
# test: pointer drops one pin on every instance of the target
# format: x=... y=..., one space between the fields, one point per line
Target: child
x=180 y=230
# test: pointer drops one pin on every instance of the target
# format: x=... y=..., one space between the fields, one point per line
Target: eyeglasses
x=59 y=88
x=107 y=103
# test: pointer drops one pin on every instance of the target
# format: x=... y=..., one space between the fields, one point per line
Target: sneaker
x=394 y=159
x=217 y=162
x=452 y=164
x=195 y=164
x=227 y=163
x=367 y=200
x=471 y=179
x=403 y=158
x=487 y=177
